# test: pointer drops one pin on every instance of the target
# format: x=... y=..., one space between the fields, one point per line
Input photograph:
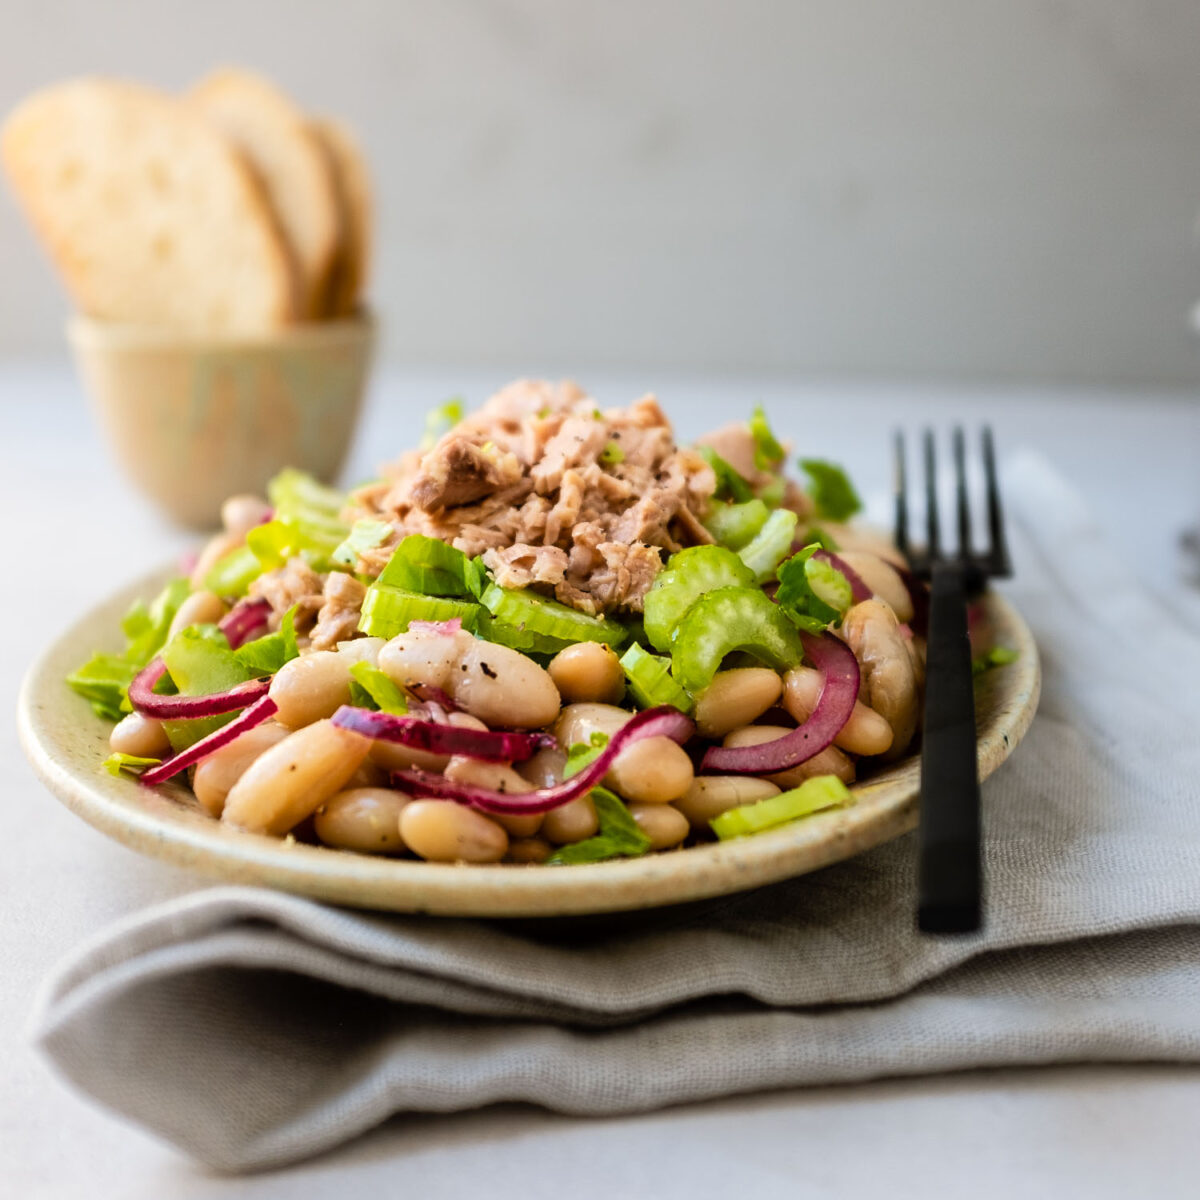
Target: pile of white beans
x=301 y=774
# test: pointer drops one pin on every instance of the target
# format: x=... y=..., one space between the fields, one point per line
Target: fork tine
x=933 y=547
x=900 y=490
x=962 y=504
x=999 y=563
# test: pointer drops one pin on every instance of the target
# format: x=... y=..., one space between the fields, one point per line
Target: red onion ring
x=663 y=721
x=243 y=619
x=836 y=661
x=256 y=714
x=858 y=587
x=187 y=708
x=487 y=745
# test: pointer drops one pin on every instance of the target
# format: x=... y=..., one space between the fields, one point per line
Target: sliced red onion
x=243 y=619
x=836 y=661
x=485 y=744
x=186 y=708
x=442 y=628
x=858 y=588
x=663 y=721
x=256 y=714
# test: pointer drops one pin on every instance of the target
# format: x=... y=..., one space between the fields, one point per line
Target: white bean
x=571 y=822
x=651 y=771
x=240 y=514
x=310 y=687
x=545 y=768
x=366 y=819
x=588 y=671
x=735 y=698
x=866 y=732
x=217 y=773
x=495 y=683
x=200 y=608
x=214 y=550
x=293 y=779
x=831 y=761
x=711 y=795
x=499 y=778
x=882 y=578
x=442 y=831
x=142 y=736
x=663 y=825
x=528 y=850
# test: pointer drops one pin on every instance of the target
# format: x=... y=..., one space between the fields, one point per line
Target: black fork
x=950 y=879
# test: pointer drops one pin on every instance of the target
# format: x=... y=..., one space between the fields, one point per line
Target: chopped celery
x=822 y=537
x=997 y=656
x=771 y=494
x=612 y=454
x=812 y=592
x=265 y=655
x=200 y=663
x=233 y=574
x=729 y=619
x=387 y=611
x=365 y=534
x=734 y=525
x=813 y=795
x=689 y=575
x=277 y=541
x=525 y=640
x=114 y=764
x=583 y=754
x=531 y=613
x=619 y=836
x=296 y=494
x=385 y=693
x=770 y=544
x=768 y=453
x=434 y=568
x=103 y=680
x=730 y=484
x=650 y=680
x=439 y=420
x=832 y=493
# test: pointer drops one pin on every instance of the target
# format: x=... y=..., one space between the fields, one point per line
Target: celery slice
x=387 y=611
x=689 y=575
x=233 y=574
x=735 y=525
x=813 y=795
x=771 y=544
x=729 y=619
x=364 y=535
x=527 y=611
x=650 y=680
x=525 y=640
x=385 y=693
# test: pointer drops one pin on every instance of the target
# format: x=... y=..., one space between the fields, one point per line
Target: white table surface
x=73 y=531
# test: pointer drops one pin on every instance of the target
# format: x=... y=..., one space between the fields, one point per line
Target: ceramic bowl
x=67 y=742
x=192 y=419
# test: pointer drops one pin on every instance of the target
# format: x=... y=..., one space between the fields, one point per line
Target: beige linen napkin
x=252 y=1028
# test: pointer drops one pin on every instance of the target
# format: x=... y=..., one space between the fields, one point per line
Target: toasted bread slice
x=352 y=266
x=291 y=162
x=149 y=213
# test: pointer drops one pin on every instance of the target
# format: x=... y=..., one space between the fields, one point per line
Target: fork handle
x=949 y=873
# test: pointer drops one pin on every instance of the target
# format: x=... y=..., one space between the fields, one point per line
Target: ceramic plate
x=66 y=743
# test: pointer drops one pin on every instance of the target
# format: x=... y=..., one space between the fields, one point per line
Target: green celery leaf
x=114 y=764
x=832 y=493
x=441 y=419
x=730 y=484
x=265 y=655
x=812 y=592
x=619 y=836
x=768 y=453
x=583 y=754
x=365 y=534
x=385 y=694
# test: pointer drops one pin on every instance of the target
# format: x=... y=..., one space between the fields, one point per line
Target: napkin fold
x=252 y=1028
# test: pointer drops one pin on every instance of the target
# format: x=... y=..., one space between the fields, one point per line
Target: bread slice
x=290 y=160
x=352 y=266
x=149 y=213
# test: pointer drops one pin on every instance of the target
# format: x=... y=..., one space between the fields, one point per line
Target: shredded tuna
x=337 y=620
x=554 y=493
x=294 y=585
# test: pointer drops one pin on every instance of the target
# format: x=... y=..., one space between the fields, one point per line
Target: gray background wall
x=964 y=188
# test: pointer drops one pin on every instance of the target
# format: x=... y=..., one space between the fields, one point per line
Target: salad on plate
x=550 y=635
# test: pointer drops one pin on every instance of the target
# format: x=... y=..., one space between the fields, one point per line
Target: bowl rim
x=86 y=333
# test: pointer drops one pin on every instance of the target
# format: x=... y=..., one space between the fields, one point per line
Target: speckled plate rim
x=66 y=743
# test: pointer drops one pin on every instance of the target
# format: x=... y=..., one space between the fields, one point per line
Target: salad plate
x=66 y=743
